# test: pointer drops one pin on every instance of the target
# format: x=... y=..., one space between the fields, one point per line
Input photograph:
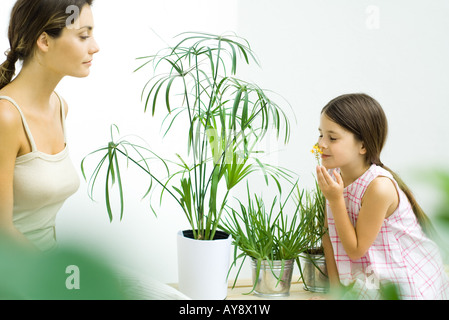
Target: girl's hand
x=331 y=189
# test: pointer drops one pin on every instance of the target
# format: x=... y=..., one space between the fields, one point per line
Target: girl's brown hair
x=29 y=19
x=363 y=116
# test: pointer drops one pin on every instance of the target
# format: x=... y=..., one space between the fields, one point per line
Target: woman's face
x=339 y=146
x=72 y=53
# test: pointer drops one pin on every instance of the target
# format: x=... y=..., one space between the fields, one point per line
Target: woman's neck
x=34 y=85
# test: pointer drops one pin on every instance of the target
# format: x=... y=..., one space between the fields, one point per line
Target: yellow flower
x=317 y=152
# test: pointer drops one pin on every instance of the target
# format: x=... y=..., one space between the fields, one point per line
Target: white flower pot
x=203 y=266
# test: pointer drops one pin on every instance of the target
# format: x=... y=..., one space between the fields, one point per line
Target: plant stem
x=152 y=176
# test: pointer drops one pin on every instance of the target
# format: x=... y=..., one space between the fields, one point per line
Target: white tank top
x=42 y=183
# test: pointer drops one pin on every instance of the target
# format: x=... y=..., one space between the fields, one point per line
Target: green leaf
x=167 y=95
x=213 y=190
x=237 y=100
x=120 y=186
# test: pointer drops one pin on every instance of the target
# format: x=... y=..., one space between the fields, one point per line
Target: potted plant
x=224 y=118
x=312 y=263
x=272 y=238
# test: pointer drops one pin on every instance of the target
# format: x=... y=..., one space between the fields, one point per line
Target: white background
x=310 y=51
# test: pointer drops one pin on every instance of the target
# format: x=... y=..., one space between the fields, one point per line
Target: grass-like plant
x=224 y=117
x=267 y=233
x=313 y=211
x=313 y=207
x=279 y=232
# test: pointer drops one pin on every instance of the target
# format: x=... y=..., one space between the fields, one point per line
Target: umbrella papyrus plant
x=225 y=118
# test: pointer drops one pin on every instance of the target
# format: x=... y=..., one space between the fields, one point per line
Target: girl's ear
x=362 y=148
x=43 y=42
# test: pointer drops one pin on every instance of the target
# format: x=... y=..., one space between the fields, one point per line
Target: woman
x=52 y=39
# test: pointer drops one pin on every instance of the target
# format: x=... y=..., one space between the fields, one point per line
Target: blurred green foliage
x=438 y=182
x=28 y=275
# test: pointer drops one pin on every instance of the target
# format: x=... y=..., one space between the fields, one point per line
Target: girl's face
x=72 y=53
x=340 y=147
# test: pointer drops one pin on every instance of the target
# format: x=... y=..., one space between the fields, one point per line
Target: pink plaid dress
x=401 y=253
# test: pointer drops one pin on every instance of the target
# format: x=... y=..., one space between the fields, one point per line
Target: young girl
x=377 y=231
x=53 y=39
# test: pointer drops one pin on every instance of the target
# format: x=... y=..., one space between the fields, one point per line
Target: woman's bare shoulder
x=10 y=118
x=10 y=128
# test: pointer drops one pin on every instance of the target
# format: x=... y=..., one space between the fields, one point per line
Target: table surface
x=242 y=287
x=297 y=292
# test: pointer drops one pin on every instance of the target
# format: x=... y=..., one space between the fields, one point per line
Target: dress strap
x=25 y=124
x=62 y=115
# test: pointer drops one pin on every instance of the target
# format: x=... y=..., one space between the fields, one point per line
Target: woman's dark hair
x=363 y=116
x=29 y=19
